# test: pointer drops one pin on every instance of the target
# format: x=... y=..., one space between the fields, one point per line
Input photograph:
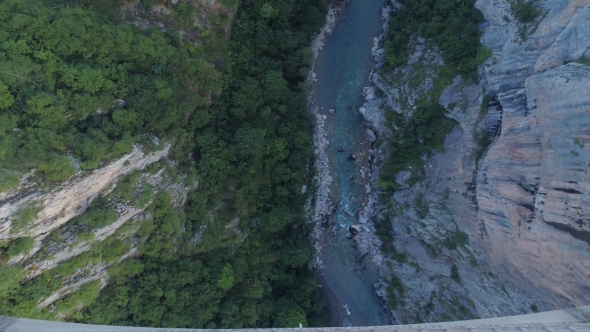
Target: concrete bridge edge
x=567 y=320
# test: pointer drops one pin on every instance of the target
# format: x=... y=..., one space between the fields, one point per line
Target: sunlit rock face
x=72 y=197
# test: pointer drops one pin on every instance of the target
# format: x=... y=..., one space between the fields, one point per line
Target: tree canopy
x=77 y=84
x=72 y=82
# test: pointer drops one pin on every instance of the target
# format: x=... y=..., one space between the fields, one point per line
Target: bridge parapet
x=568 y=320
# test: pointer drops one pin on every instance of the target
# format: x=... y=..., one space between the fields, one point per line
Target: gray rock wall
x=532 y=187
x=523 y=204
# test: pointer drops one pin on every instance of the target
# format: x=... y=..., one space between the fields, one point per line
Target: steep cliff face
x=521 y=203
x=61 y=241
x=532 y=187
x=69 y=199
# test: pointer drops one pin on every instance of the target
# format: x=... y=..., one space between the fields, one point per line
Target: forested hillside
x=75 y=83
x=81 y=82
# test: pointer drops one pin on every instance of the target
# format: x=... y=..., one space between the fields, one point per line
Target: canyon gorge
x=493 y=222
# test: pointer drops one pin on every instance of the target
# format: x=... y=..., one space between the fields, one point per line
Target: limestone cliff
x=70 y=199
x=533 y=185
x=523 y=202
x=58 y=243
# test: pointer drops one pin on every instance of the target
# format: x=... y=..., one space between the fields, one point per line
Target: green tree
x=22 y=218
x=266 y=10
x=526 y=11
x=288 y=314
x=9 y=180
x=10 y=277
x=6 y=98
x=226 y=281
x=20 y=246
x=57 y=169
x=48 y=111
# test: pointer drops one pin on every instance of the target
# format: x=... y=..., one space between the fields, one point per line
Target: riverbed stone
x=355 y=229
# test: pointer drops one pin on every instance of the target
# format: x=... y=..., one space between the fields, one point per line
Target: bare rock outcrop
x=533 y=188
x=70 y=198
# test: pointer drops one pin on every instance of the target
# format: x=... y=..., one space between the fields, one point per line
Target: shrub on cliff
x=22 y=218
x=19 y=246
x=57 y=169
x=453 y=27
x=452 y=24
x=525 y=11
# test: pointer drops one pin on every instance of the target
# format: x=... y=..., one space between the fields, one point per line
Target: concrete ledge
x=568 y=320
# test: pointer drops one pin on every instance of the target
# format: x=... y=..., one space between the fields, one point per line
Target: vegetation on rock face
x=419 y=135
x=19 y=246
x=428 y=44
x=452 y=24
x=525 y=11
x=77 y=81
x=22 y=218
x=9 y=180
x=96 y=216
x=456 y=239
x=453 y=27
x=528 y=13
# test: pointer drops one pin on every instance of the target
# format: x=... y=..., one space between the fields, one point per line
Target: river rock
x=362 y=219
x=371 y=135
x=355 y=229
x=369 y=93
x=374 y=115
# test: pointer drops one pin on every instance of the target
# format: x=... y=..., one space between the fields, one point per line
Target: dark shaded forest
x=253 y=153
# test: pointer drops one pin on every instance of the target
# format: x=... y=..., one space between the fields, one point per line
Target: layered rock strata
x=533 y=186
x=523 y=204
x=71 y=198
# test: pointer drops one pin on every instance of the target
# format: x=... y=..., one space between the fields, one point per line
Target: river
x=342 y=69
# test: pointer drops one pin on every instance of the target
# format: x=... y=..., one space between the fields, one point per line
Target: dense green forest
x=73 y=83
x=451 y=27
x=78 y=81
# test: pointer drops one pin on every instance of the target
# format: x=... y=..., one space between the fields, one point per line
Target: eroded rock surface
x=532 y=187
x=523 y=204
x=72 y=197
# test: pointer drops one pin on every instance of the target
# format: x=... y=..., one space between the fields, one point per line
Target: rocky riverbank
x=323 y=206
x=342 y=156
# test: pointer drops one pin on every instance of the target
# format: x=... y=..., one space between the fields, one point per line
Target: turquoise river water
x=342 y=68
